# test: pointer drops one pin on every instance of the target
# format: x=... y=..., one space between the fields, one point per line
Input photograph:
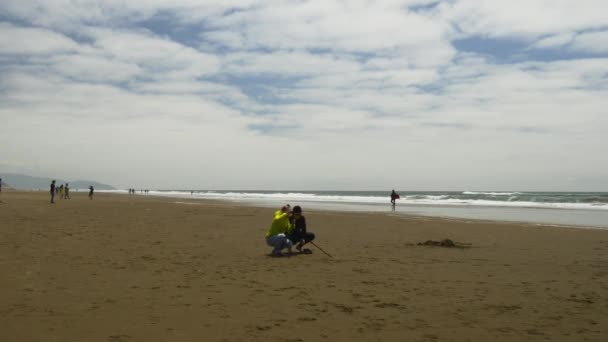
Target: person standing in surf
x=394 y=196
x=91 y=190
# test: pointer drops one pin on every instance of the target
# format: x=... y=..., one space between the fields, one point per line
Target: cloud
x=158 y=55
x=523 y=19
x=94 y=68
x=594 y=42
x=554 y=41
x=16 y=40
x=209 y=94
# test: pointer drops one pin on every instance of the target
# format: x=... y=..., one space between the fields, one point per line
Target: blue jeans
x=278 y=242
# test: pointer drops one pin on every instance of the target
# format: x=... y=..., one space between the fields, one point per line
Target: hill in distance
x=25 y=182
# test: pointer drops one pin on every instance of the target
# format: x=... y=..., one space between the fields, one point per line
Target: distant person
x=299 y=234
x=0 y=184
x=276 y=235
x=91 y=190
x=61 y=192
x=53 y=191
x=67 y=191
x=394 y=196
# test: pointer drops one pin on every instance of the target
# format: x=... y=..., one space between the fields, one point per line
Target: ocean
x=584 y=209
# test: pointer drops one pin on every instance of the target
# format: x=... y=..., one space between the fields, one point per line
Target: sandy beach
x=142 y=268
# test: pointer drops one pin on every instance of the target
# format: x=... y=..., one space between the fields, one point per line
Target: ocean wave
x=491 y=193
x=411 y=199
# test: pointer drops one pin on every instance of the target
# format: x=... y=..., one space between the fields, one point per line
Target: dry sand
x=135 y=268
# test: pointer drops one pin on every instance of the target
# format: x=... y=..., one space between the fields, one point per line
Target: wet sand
x=137 y=268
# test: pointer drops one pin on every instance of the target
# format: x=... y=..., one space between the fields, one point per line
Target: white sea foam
x=491 y=193
x=428 y=200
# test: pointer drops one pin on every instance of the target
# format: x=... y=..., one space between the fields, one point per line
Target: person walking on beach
x=0 y=184
x=276 y=235
x=53 y=191
x=61 y=191
x=299 y=234
x=67 y=191
x=91 y=190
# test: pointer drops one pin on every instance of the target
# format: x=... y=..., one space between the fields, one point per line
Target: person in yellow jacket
x=276 y=236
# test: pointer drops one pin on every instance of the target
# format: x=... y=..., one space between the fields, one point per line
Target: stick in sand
x=321 y=249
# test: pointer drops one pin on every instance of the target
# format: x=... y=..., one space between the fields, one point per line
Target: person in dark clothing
x=299 y=234
x=53 y=191
x=91 y=190
x=394 y=196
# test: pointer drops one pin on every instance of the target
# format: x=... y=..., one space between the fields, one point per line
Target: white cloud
x=525 y=19
x=384 y=28
x=158 y=55
x=594 y=42
x=32 y=41
x=288 y=63
x=554 y=41
x=94 y=68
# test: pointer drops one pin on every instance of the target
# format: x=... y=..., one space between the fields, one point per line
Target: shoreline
x=536 y=216
x=402 y=215
x=340 y=208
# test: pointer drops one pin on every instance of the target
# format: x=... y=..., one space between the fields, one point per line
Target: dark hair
x=297 y=209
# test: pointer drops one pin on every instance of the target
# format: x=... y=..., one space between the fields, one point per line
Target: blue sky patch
x=511 y=50
x=165 y=23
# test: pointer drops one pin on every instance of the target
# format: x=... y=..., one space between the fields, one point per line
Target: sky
x=307 y=95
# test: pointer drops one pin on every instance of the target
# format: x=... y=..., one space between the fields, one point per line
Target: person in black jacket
x=299 y=234
x=52 y=191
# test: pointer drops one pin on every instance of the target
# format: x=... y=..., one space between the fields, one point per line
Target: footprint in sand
x=387 y=305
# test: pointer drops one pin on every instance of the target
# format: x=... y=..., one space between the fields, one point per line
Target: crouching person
x=299 y=234
x=276 y=236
